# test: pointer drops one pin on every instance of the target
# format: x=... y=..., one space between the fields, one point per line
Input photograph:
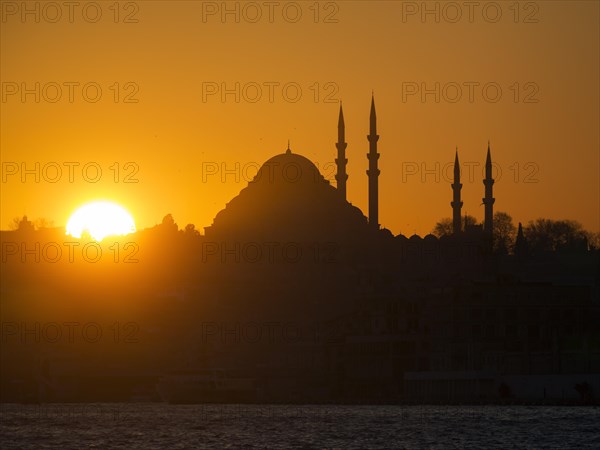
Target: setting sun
x=100 y=219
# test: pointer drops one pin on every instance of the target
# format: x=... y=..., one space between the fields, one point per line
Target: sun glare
x=100 y=219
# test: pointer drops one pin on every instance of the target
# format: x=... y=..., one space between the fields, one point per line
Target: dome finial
x=288 y=151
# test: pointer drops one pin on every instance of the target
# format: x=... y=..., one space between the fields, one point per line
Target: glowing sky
x=544 y=126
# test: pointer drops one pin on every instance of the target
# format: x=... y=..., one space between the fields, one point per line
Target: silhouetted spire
x=520 y=235
x=456 y=202
x=341 y=125
x=373 y=172
x=488 y=163
x=288 y=151
x=373 y=117
x=456 y=167
x=520 y=243
x=488 y=200
x=341 y=160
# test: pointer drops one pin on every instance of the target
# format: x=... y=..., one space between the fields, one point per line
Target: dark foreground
x=147 y=426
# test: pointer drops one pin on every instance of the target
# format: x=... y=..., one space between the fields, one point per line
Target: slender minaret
x=456 y=203
x=521 y=243
x=488 y=200
x=373 y=172
x=341 y=160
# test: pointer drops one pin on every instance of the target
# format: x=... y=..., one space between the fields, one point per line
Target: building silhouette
x=422 y=318
x=375 y=317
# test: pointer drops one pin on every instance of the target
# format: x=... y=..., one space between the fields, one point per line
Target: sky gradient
x=162 y=125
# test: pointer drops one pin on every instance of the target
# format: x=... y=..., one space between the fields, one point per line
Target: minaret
x=341 y=160
x=456 y=203
x=488 y=200
x=520 y=243
x=373 y=172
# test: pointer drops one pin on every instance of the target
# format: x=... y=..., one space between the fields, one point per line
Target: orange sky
x=544 y=127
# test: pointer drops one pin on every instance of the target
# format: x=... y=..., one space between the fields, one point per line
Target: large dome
x=289 y=169
x=288 y=199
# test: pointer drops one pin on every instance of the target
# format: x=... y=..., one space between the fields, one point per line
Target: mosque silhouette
x=290 y=199
x=400 y=318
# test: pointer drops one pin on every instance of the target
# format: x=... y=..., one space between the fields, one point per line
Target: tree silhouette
x=42 y=222
x=504 y=232
x=190 y=230
x=168 y=223
x=552 y=235
x=14 y=223
x=444 y=226
x=21 y=224
x=594 y=240
x=541 y=234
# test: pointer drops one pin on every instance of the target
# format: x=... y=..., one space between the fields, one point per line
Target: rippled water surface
x=146 y=426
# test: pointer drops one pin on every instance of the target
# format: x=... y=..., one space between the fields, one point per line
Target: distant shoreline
x=593 y=403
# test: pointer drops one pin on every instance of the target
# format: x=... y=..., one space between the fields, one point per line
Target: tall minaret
x=373 y=172
x=456 y=203
x=341 y=160
x=488 y=200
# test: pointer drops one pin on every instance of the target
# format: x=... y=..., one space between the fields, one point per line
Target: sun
x=100 y=219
